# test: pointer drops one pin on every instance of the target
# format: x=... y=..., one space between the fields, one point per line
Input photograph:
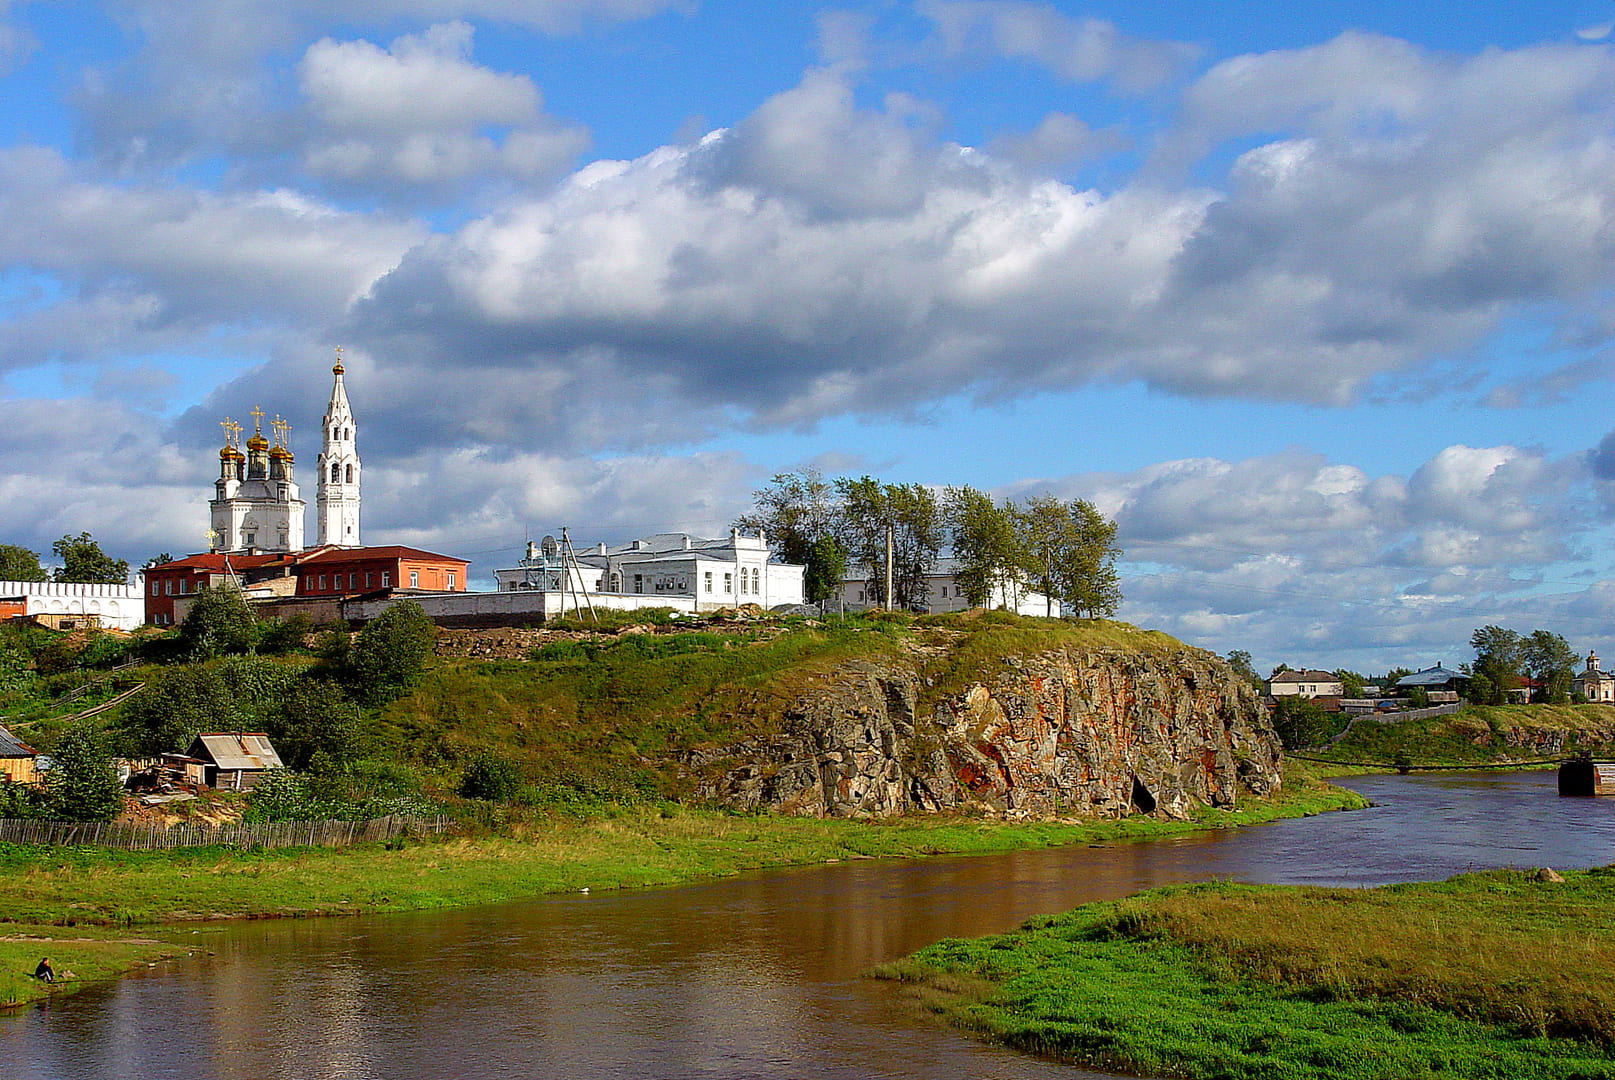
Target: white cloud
x=1082 y=49
x=1279 y=553
x=152 y=265
x=419 y=112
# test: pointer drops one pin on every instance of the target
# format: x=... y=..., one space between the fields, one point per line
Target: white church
x=256 y=505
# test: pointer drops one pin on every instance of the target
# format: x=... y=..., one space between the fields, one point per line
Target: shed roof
x=236 y=750
x=13 y=747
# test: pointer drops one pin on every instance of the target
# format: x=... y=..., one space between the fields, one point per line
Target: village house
x=19 y=762
x=1441 y=685
x=1306 y=684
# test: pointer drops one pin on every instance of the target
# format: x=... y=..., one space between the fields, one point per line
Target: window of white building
x=708 y=580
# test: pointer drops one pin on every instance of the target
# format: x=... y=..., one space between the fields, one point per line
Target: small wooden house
x=233 y=761
x=18 y=760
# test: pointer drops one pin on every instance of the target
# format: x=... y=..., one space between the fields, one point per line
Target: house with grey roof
x=234 y=761
x=19 y=762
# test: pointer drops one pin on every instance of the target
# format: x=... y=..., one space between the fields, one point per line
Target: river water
x=754 y=977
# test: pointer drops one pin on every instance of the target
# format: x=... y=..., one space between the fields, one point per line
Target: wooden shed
x=233 y=760
x=18 y=760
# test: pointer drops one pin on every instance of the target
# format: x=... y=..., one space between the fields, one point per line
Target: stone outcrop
x=1049 y=735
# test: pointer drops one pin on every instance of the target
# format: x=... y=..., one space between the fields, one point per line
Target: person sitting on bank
x=44 y=971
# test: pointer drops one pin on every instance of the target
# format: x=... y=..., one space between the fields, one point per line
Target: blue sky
x=1316 y=303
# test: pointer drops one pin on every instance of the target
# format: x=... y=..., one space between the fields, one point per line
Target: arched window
x=335 y=434
x=336 y=472
x=350 y=473
x=345 y=435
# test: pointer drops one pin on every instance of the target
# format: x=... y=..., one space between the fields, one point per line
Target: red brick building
x=188 y=576
x=329 y=572
x=349 y=571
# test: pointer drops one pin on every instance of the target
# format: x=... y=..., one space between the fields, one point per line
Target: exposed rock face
x=1055 y=734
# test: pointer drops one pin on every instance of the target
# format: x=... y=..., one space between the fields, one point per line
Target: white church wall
x=120 y=607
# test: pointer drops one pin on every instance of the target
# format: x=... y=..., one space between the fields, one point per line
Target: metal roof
x=1435 y=676
x=11 y=746
x=243 y=750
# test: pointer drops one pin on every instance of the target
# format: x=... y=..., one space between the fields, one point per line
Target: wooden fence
x=134 y=837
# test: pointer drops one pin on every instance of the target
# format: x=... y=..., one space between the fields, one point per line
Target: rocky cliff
x=1061 y=733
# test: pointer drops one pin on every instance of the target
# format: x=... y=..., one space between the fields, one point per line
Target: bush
x=81 y=786
x=285 y=635
x=490 y=776
x=1301 y=724
x=390 y=653
x=19 y=802
x=219 y=623
x=315 y=719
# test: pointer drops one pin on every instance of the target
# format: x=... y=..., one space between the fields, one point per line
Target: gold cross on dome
x=281 y=428
x=227 y=424
x=212 y=538
x=257 y=415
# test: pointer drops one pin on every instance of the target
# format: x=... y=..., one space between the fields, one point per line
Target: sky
x=1316 y=303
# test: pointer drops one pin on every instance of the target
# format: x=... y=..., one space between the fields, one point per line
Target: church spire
x=338 y=464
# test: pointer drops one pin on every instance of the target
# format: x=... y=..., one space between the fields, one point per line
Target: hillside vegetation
x=1480 y=735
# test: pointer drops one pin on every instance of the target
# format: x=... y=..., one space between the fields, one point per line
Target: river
x=752 y=977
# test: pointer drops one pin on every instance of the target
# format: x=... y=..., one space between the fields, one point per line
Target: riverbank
x=1492 y=974
x=54 y=894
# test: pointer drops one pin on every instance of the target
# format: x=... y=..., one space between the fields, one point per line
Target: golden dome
x=280 y=453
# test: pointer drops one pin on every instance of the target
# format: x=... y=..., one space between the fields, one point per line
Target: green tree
x=1240 y=661
x=390 y=653
x=798 y=513
x=910 y=514
x=1069 y=552
x=1301 y=724
x=219 y=623
x=162 y=558
x=1497 y=661
x=315 y=722
x=81 y=785
x=823 y=571
x=1351 y=683
x=20 y=564
x=985 y=543
x=1548 y=659
x=84 y=561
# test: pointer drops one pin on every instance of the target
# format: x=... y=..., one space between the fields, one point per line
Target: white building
x=1306 y=684
x=119 y=607
x=946 y=594
x=703 y=574
x=336 y=496
x=1593 y=684
x=255 y=504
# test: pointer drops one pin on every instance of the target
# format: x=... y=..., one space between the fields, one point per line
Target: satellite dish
x=548 y=547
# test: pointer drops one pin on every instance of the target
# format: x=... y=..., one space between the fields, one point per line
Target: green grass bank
x=1501 y=736
x=98 y=901
x=1485 y=975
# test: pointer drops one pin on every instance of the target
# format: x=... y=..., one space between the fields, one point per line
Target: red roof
x=213 y=560
x=395 y=551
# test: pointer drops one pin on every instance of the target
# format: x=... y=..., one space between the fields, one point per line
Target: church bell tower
x=338 y=491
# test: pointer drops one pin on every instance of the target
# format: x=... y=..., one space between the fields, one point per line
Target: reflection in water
x=758 y=977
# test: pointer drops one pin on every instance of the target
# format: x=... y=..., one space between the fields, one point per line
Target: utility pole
x=888 y=566
x=569 y=562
